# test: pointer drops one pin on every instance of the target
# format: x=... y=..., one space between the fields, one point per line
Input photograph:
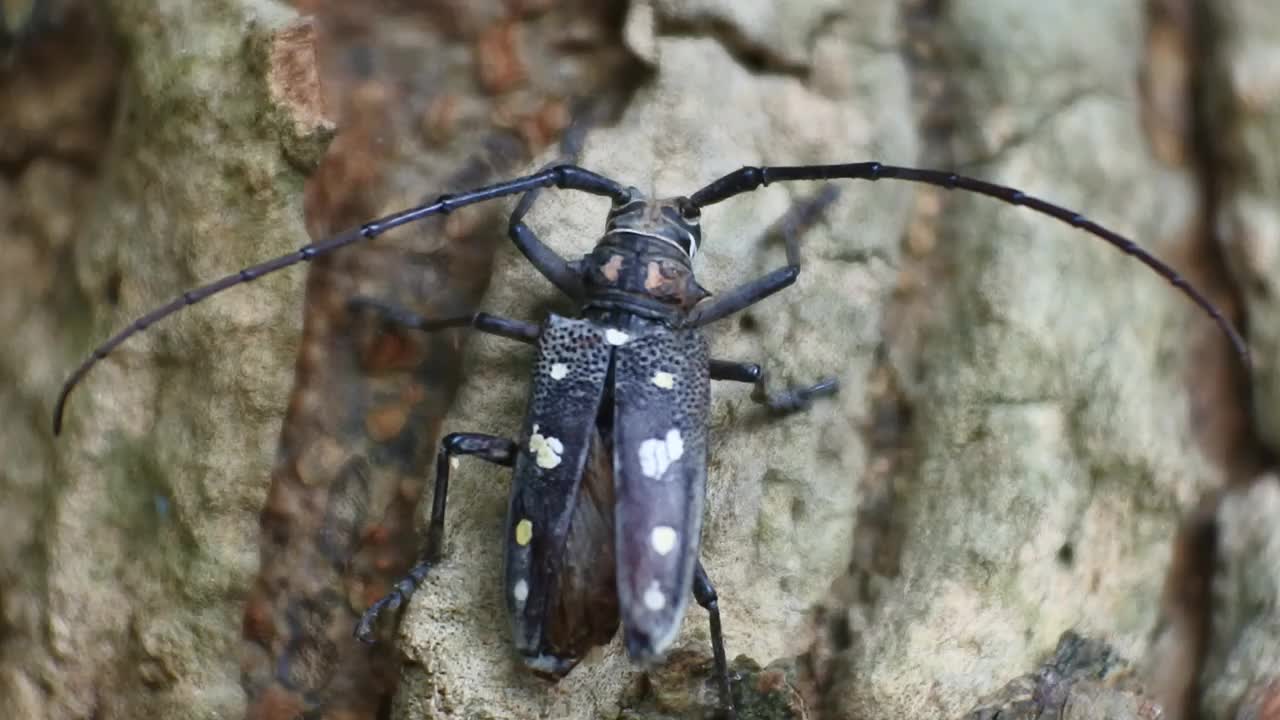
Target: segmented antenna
x=572 y=177
x=568 y=177
x=750 y=178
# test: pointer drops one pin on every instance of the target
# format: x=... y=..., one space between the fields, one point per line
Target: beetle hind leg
x=497 y=450
x=705 y=595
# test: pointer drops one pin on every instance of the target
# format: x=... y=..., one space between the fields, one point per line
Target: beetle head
x=647 y=251
x=670 y=221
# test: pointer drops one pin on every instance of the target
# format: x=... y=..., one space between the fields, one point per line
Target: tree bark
x=1026 y=417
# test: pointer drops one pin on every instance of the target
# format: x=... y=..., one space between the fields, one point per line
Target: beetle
x=604 y=518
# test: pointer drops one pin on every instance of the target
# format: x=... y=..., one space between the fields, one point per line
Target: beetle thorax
x=644 y=260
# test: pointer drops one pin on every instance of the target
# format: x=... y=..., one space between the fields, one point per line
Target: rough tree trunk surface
x=1043 y=490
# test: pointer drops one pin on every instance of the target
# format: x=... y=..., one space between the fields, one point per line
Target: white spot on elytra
x=663 y=539
x=657 y=454
x=547 y=449
x=664 y=380
x=653 y=597
x=524 y=532
x=559 y=371
x=616 y=337
x=453 y=463
x=521 y=591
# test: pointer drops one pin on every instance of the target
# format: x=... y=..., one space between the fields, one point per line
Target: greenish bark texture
x=1042 y=460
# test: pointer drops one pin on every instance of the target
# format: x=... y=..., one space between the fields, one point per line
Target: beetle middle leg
x=705 y=594
x=497 y=450
x=790 y=400
x=484 y=322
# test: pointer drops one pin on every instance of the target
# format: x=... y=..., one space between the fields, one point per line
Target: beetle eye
x=689 y=211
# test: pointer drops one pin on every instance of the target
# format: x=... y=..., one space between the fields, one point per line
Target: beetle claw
x=364 y=631
x=794 y=399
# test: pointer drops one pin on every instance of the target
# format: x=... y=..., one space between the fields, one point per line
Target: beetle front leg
x=545 y=260
x=497 y=450
x=705 y=594
x=787 y=401
x=789 y=227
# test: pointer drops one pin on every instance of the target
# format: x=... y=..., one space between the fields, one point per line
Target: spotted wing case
x=547 y=608
x=661 y=396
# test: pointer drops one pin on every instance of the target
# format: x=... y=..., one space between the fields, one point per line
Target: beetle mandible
x=612 y=453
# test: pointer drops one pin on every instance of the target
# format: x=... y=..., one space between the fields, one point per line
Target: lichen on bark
x=1015 y=442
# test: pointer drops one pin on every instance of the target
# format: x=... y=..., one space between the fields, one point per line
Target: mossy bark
x=1025 y=415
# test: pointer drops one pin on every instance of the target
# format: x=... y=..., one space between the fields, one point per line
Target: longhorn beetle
x=605 y=513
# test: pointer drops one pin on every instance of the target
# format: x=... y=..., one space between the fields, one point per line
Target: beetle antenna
x=748 y=179
x=568 y=177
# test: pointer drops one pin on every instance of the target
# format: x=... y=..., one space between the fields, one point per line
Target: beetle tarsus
x=482 y=322
x=784 y=402
x=387 y=312
x=793 y=399
x=400 y=592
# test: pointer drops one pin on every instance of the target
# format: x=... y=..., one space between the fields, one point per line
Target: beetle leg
x=802 y=215
x=743 y=296
x=545 y=260
x=786 y=401
x=484 y=322
x=498 y=450
x=705 y=594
